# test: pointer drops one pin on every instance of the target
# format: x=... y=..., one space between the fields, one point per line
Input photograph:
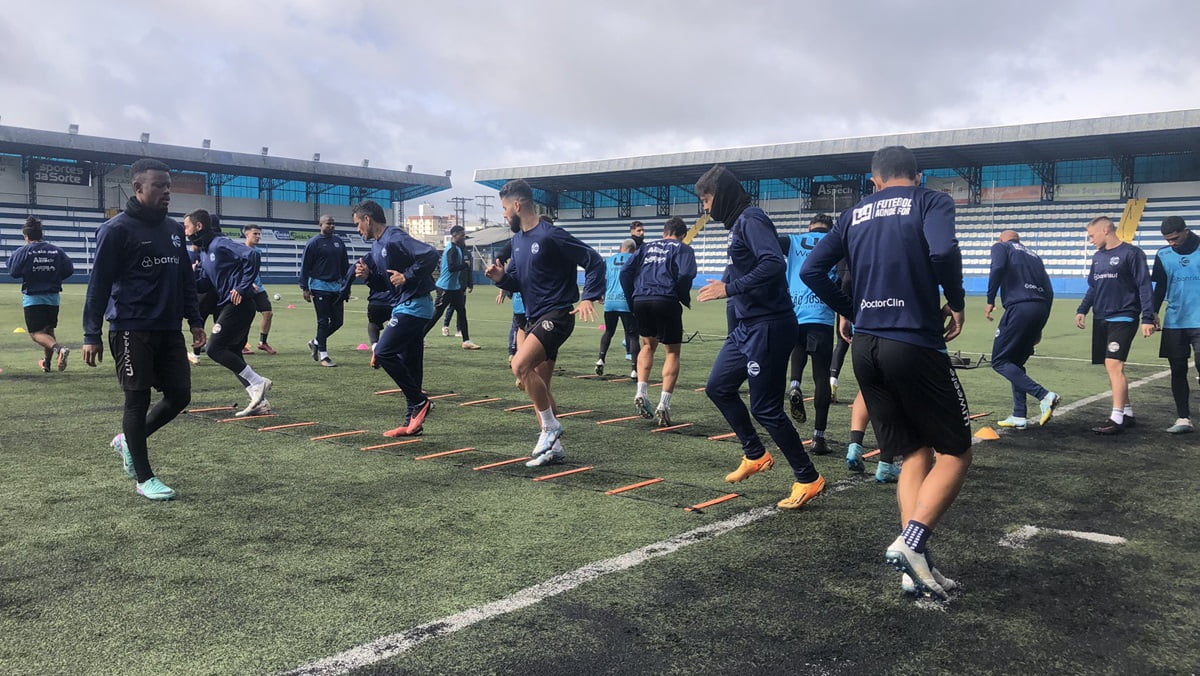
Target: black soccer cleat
x=819 y=447
x=796 y=398
x=1109 y=427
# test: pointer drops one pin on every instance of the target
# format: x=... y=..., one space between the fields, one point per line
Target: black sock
x=856 y=436
x=262 y=338
x=915 y=535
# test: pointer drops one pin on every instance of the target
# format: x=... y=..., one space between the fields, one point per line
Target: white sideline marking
x=1018 y=538
x=392 y=645
x=1107 y=394
x=1128 y=363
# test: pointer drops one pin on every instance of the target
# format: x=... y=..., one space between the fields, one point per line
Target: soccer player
x=142 y=286
x=761 y=321
x=658 y=280
x=901 y=247
x=41 y=267
x=231 y=269
x=1175 y=283
x=814 y=322
x=616 y=307
x=1118 y=293
x=516 y=331
x=322 y=273
x=1020 y=277
x=544 y=260
x=406 y=265
x=262 y=301
x=637 y=232
x=453 y=284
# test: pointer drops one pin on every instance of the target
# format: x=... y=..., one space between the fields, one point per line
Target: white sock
x=795 y=385
x=549 y=422
x=832 y=381
x=373 y=347
x=1128 y=410
x=643 y=389
x=1118 y=416
x=322 y=355
x=247 y=374
x=664 y=400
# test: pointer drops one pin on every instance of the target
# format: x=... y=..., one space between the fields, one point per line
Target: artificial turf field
x=281 y=551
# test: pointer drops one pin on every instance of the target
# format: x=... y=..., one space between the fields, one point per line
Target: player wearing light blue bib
x=1176 y=280
x=616 y=306
x=815 y=320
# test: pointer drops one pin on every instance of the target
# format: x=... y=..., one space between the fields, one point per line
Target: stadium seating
x=1054 y=230
x=75 y=231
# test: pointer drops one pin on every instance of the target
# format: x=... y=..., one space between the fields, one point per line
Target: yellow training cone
x=987 y=433
x=18 y=330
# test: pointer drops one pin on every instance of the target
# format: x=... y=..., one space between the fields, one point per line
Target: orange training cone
x=987 y=433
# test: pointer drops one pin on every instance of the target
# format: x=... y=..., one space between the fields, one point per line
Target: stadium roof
x=1147 y=134
x=60 y=145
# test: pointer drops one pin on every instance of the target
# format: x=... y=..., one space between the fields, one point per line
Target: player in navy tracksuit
x=901 y=247
x=231 y=269
x=1020 y=277
x=543 y=268
x=1178 y=283
x=406 y=266
x=814 y=320
x=142 y=285
x=322 y=279
x=41 y=267
x=762 y=332
x=616 y=306
x=657 y=280
x=516 y=330
x=1118 y=293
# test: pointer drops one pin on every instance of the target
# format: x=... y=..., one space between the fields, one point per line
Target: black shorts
x=146 y=359
x=41 y=318
x=552 y=330
x=379 y=314
x=231 y=327
x=262 y=302
x=1179 y=344
x=1112 y=340
x=913 y=395
x=817 y=340
x=659 y=319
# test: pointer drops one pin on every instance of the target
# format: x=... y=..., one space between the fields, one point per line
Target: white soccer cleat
x=556 y=454
x=901 y=557
x=258 y=392
x=446 y=331
x=262 y=409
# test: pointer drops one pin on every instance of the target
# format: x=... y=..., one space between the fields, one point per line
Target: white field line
x=392 y=645
x=1018 y=538
x=1063 y=410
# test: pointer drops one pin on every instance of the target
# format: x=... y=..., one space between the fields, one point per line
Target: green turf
x=281 y=550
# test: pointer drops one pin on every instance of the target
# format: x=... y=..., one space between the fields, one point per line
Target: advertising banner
x=957 y=187
x=835 y=195
x=1012 y=193
x=188 y=183
x=64 y=173
x=1087 y=191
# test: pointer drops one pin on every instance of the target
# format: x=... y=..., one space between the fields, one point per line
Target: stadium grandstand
x=1044 y=180
x=73 y=183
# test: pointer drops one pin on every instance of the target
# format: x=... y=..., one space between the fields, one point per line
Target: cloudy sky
x=449 y=84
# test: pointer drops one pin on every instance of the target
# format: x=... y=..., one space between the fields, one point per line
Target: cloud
x=464 y=85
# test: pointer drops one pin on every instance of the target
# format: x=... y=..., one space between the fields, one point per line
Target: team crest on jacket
x=1115 y=260
x=212 y=256
x=534 y=248
x=1184 y=261
x=752 y=368
x=175 y=242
